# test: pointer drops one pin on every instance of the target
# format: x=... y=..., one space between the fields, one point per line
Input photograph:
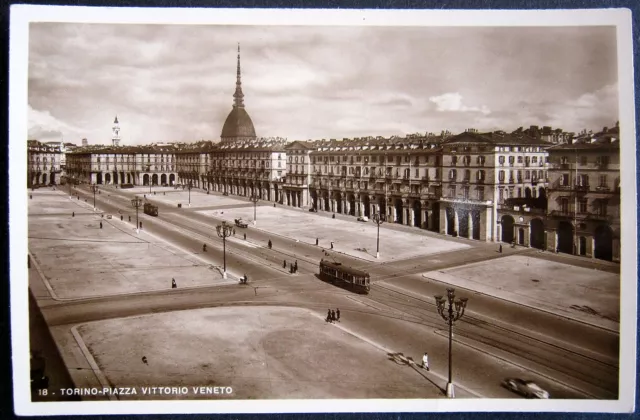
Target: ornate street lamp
x=189 y=188
x=450 y=315
x=224 y=231
x=137 y=203
x=254 y=199
x=94 y=188
x=378 y=219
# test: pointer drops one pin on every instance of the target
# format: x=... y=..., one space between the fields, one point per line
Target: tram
x=346 y=277
x=150 y=209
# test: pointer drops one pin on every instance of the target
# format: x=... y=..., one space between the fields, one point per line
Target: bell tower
x=115 y=139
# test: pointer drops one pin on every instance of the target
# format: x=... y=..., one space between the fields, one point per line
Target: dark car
x=312 y=210
x=528 y=389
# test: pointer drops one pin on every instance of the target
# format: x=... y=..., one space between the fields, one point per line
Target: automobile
x=241 y=223
x=164 y=184
x=109 y=216
x=225 y=193
x=363 y=219
x=312 y=210
x=528 y=389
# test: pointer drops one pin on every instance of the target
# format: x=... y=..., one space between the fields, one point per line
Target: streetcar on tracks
x=150 y=209
x=346 y=277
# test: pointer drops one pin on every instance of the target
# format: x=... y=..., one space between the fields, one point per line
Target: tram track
x=592 y=371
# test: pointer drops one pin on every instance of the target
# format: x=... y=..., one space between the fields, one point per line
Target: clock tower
x=116 y=133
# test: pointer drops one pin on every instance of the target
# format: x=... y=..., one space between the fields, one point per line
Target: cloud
x=452 y=102
x=175 y=82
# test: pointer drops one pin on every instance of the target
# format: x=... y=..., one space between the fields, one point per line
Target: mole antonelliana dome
x=238 y=125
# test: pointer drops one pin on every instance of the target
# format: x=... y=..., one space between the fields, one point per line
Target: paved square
x=199 y=199
x=589 y=295
x=50 y=201
x=80 y=260
x=278 y=353
x=353 y=238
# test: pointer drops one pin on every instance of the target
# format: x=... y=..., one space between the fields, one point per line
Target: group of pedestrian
x=293 y=268
x=333 y=316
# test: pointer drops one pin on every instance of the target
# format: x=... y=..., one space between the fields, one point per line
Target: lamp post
x=378 y=219
x=137 y=203
x=224 y=231
x=94 y=188
x=254 y=199
x=450 y=315
x=189 y=188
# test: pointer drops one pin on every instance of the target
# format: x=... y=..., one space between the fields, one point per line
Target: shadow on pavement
x=401 y=359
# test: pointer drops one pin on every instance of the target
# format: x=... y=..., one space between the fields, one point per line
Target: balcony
x=581 y=188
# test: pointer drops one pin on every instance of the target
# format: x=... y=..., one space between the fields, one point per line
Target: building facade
x=250 y=168
x=44 y=163
x=584 y=198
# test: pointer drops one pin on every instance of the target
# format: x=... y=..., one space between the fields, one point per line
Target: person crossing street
x=425 y=362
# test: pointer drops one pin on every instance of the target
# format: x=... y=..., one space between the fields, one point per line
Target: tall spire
x=238 y=95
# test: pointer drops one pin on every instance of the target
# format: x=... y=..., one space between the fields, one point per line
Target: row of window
x=599 y=206
x=584 y=160
x=582 y=180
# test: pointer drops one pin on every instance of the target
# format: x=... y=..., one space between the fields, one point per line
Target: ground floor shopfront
x=594 y=238
x=264 y=190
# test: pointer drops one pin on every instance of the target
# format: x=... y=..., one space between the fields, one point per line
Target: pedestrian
x=121 y=218
x=291 y=268
x=164 y=193
x=425 y=361
x=140 y=225
x=100 y=225
x=173 y=284
x=338 y=314
x=328 y=315
x=274 y=204
x=284 y=264
x=500 y=248
x=102 y=215
x=331 y=244
x=334 y=216
x=129 y=218
x=30 y=196
x=316 y=241
x=270 y=244
x=144 y=195
x=295 y=265
x=245 y=236
x=73 y=214
x=333 y=316
x=234 y=232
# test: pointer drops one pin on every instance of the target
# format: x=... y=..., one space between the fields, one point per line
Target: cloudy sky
x=175 y=82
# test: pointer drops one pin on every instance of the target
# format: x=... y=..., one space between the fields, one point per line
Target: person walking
x=245 y=236
x=269 y=244
x=333 y=316
x=331 y=244
x=73 y=214
x=316 y=241
x=173 y=284
x=121 y=218
x=295 y=266
x=425 y=361
x=500 y=248
x=338 y=314
x=328 y=315
x=140 y=225
x=284 y=264
x=129 y=218
x=100 y=225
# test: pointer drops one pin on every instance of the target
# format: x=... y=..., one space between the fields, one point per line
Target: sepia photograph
x=322 y=211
